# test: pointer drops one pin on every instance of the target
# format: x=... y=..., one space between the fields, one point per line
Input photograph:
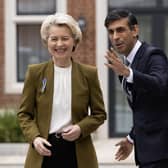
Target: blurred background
x=20 y=45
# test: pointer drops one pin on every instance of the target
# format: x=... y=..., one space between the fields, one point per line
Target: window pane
x=30 y=49
x=132 y=3
x=123 y=117
x=36 y=6
x=165 y=3
x=145 y=25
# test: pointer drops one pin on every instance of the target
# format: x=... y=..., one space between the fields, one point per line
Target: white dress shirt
x=61 y=107
x=130 y=59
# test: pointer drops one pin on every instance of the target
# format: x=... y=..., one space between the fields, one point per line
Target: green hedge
x=9 y=128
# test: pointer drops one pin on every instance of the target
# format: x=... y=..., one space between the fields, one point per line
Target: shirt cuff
x=130 y=139
x=130 y=77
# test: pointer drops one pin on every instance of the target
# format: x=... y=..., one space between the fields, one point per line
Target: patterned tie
x=126 y=62
x=124 y=83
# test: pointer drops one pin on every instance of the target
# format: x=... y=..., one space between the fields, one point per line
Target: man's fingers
x=121 y=155
x=109 y=59
x=111 y=55
x=112 y=50
x=119 y=143
x=112 y=58
x=109 y=65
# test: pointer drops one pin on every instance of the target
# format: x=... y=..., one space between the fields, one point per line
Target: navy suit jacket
x=150 y=104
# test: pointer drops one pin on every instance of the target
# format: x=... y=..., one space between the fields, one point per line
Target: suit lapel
x=138 y=60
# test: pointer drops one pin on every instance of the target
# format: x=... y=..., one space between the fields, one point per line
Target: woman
x=54 y=107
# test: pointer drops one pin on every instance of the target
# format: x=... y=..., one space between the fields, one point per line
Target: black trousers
x=63 y=154
x=157 y=164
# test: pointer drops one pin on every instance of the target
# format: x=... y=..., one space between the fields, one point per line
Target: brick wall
x=1 y=46
x=85 y=8
x=85 y=52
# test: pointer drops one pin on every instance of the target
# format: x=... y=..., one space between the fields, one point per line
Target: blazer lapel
x=49 y=75
x=75 y=77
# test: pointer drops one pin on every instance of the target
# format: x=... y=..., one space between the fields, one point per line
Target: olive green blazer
x=36 y=106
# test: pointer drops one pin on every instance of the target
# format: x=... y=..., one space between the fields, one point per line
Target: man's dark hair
x=118 y=14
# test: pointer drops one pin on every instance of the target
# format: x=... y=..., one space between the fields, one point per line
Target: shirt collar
x=133 y=52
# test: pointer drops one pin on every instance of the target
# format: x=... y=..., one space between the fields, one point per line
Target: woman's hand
x=71 y=132
x=40 y=146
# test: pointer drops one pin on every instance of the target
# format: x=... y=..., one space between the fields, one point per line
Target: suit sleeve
x=131 y=135
x=154 y=78
x=98 y=114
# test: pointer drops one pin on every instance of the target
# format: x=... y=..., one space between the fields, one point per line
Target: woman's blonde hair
x=60 y=19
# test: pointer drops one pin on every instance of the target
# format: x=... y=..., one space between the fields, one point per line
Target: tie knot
x=126 y=62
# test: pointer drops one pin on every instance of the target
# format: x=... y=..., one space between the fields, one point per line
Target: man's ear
x=135 y=30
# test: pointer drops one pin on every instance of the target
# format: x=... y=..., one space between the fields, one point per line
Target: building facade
x=20 y=45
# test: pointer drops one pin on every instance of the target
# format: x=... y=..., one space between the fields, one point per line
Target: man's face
x=121 y=36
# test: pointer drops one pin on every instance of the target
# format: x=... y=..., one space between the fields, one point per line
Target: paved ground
x=12 y=155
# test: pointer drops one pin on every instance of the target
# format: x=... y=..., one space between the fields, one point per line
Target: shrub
x=9 y=128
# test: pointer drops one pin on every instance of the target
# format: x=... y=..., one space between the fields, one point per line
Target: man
x=145 y=82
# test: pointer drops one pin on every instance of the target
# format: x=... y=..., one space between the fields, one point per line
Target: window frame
x=12 y=86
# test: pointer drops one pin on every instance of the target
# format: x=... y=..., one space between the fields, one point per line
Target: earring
x=73 y=49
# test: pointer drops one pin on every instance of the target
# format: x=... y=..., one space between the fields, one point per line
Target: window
x=153 y=22
x=30 y=7
x=132 y=3
x=29 y=48
x=23 y=44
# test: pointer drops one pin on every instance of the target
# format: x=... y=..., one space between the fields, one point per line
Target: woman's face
x=60 y=42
